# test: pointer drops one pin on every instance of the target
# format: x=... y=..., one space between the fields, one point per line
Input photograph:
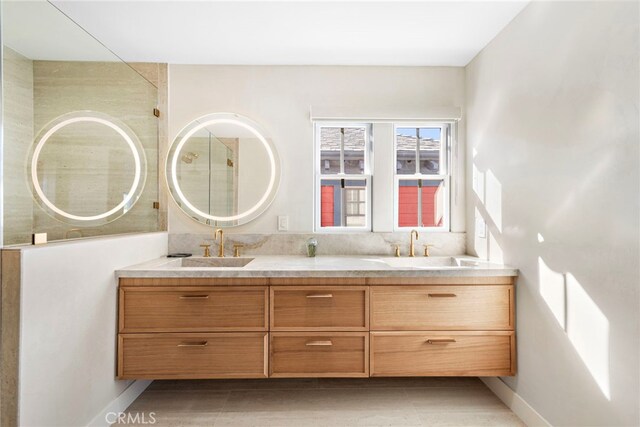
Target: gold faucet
x=221 y=246
x=412 y=244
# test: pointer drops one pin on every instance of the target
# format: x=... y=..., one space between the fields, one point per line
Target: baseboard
x=120 y=403
x=516 y=403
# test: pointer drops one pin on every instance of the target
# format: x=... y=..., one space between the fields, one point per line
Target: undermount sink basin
x=215 y=262
x=423 y=262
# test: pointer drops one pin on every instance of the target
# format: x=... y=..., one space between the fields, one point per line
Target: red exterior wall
x=326 y=206
x=408 y=207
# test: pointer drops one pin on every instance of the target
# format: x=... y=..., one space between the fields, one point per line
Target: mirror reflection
x=223 y=170
x=87 y=168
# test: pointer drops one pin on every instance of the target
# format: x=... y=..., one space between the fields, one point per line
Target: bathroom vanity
x=316 y=317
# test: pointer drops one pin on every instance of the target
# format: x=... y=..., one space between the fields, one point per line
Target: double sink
x=404 y=263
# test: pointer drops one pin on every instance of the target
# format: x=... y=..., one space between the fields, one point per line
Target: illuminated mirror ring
x=176 y=155
x=127 y=135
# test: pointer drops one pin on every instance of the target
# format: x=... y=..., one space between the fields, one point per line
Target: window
x=422 y=176
x=343 y=176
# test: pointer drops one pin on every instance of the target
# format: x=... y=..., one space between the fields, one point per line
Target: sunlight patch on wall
x=493 y=199
x=584 y=323
x=478 y=183
x=552 y=291
x=495 y=251
x=588 y=330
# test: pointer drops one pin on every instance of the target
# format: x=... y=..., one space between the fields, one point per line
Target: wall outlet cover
x=283 y=223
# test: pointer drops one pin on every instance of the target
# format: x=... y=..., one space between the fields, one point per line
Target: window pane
x=330 y=150
x=421 y=206
x=354 y=143
x=430 y=150
x=407 y=140
x=343 y=203
x=408 y=203
x=332 y=140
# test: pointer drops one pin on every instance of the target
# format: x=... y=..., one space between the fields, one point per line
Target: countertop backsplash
x=443 y=244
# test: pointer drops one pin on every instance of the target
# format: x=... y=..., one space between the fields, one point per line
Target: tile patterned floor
x=322 y=402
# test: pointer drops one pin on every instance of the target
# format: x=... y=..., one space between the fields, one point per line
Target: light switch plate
x=283 y=223
x=39 y=238
x=481 y=228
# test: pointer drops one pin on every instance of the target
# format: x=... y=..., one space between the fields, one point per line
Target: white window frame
x=447 y=135
x=319 y=176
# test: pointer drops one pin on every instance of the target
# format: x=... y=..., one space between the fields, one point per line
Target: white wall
x=552 y=131
x=68 y=326
x=279 y=99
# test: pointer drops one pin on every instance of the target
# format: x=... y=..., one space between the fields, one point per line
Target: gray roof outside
x=354 y=140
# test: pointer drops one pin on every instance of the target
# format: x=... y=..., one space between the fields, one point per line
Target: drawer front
x=193 y=309
x=399 y=354
x=186 y=356
x=320 y=308
x=338 y=354
x=442 y=308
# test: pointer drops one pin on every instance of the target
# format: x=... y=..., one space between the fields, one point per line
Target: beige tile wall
x=111 y=88
x=18 y=135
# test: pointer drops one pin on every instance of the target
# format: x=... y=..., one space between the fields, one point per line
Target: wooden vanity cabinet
x=437 y=353
x=445 y=307
x=193 y=355
x=319 y=354
x=315 y=327
x=193 y=309
x=193 y=328
x=444 y=327
x=319 y=308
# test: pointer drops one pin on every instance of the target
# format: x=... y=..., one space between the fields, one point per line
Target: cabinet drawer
x=193 y=309
x=442 y=308
x=185 y=356
x=401 y=354
x=325 y=308
x=338 y=354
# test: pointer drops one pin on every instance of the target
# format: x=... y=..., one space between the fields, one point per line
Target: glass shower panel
x=81 y=123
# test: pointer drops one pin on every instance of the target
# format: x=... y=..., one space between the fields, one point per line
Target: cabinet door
x=446 y=307
x=190 y=356
x=401 y=354
x=319 y=308
x=319 y=354
x=193 y=309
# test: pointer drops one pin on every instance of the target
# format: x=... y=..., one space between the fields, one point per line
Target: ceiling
x=445 y=33
x=37 y=30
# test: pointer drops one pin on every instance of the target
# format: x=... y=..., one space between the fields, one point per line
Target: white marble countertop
x=322 y=266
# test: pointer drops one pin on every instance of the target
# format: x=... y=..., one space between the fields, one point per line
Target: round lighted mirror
x=223 y=170
x=86 y=168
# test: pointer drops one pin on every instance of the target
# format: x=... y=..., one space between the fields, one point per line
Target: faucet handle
x=207 y=251
x=236 y=250
x=426 y=249
x=396 y=250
